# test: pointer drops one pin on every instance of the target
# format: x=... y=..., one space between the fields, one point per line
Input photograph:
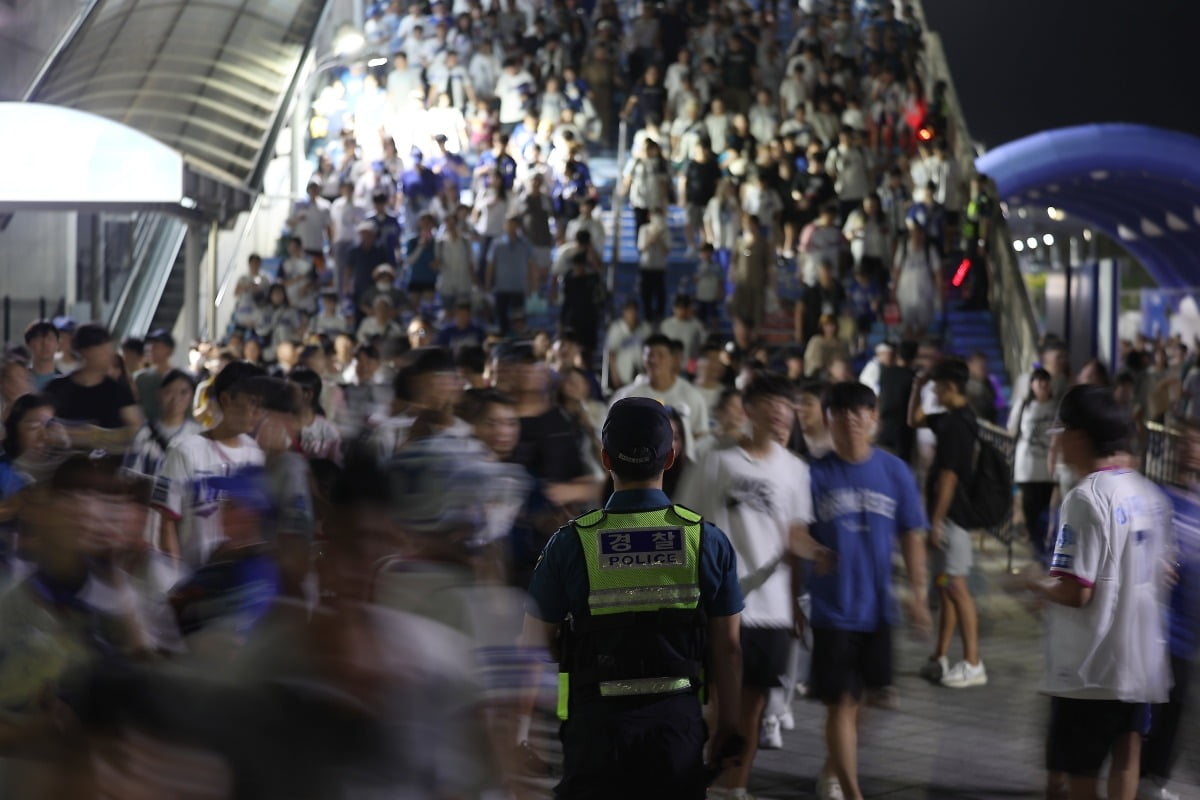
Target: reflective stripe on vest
x=636 y=686
x=640 y=561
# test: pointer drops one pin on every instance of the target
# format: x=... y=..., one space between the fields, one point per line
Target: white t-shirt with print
x=754 y=501
x=683 y=397
x=626 y=344
x=1115 y=538
x=1033 y=443
x=183 y=493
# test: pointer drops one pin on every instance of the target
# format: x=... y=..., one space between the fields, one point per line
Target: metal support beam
x=191 y=280
x=213 y=278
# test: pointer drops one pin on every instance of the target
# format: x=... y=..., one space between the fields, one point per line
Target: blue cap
x=638 y=436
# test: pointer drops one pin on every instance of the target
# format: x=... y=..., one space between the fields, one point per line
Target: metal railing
x=1007 y=294
x=157 y=240
x=18 y=312
x=1164 y=462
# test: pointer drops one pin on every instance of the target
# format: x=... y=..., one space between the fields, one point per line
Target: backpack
x=989 y=489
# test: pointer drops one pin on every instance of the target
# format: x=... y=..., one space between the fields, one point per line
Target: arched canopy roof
x=211 y=79
x=85 y=161
x=1140 y=185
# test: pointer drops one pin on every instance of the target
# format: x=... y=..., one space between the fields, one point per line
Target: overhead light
x=1087 y=234
x=1018 y=245
x=377 y=62
x=1032 y=242
x=1056 y=214
x=187 y=202
x=1022 y=212
x=1048 y=240
x=349 y=42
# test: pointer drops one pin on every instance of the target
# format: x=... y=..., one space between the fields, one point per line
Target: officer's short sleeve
x=719 y=589
x=549 y=590
x=1081 y=540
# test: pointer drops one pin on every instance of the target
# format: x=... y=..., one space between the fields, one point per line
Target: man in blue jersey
x=864 y=500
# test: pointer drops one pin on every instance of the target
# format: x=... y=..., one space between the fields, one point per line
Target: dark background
x=1022 y=66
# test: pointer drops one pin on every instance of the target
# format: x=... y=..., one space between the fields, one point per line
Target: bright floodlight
x=1048 y=239
x=376 y=62
x=1018 y=245
x=348 y=42
x=1032 y=242
x=1087 y=235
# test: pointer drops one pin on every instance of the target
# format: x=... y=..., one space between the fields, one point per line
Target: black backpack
x=989 y=487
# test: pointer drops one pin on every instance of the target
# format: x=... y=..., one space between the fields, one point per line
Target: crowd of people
x=340 y=552
x=453 y=167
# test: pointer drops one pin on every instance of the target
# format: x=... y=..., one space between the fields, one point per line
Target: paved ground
x=977 y=744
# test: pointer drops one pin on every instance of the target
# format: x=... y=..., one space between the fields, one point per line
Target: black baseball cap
x=161 y=335
x=637 y=436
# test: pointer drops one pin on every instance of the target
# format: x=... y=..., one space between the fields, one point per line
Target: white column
x=191 y=282
x=213 y=277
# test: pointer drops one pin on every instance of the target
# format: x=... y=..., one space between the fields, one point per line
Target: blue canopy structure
x=1140 y=185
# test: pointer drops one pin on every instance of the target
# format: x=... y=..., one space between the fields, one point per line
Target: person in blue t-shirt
x=1160 y=750
x=462 y=332
x=864 y=501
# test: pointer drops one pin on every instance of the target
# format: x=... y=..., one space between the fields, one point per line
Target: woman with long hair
x=488 y=215
x=575 y=398
x=319 y=438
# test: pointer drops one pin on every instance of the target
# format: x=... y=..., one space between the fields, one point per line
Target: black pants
x=640 y=217
x=505 y=303
x=1160 y=748
x=651 y=752
x=1035 y=503
x=654 y=293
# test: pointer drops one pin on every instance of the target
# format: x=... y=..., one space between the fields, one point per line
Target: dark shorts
x=421 y=286
x=1083 y=732
x=849 y=662
x=634 y=753
x=765 y=656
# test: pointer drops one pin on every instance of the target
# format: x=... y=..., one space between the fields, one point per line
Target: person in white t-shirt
x=1107 y=591
x=512 y=88
x=756 y=491
x=298 y=277
x=683 y=327
x=201 y=469
x=623 y=345
x=312 y=221
x=663 y=383
x=1031 y=466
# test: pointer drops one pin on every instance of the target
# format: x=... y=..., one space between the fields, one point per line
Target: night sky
x=1022 y=66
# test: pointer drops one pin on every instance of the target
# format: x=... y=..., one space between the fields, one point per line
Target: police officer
x=643 y=600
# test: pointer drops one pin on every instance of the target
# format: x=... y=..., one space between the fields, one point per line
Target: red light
x=925 y=133
x=960 y=274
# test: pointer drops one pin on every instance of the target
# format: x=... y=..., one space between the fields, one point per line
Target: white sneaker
x=802 y=688
x=1150 y=789
x=828 y=788
x=787 y=720
x=963 y=676
x=769 y=735
x=935 y=670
